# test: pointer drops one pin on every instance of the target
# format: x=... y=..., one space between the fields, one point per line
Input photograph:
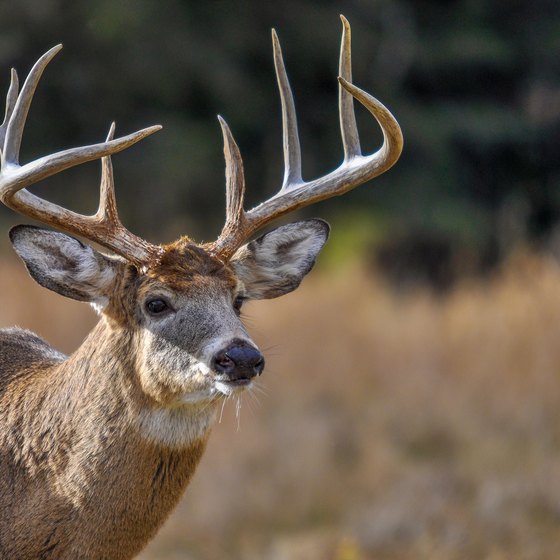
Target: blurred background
x=410 y=404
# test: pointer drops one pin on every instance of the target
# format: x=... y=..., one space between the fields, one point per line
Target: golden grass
x=389 y=428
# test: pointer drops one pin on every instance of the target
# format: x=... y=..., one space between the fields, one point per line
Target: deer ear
x=275 y=263
x=64 y=264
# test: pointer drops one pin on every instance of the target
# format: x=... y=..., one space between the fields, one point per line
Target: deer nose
x=239 y=361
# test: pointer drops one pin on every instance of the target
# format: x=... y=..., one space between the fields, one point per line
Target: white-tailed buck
x=96 y=448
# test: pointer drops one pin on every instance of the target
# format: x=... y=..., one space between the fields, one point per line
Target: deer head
x=179 y=303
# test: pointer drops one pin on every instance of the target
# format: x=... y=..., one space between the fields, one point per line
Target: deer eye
x=156 y=306
x=237 y=303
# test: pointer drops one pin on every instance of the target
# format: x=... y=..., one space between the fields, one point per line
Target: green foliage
x=356 y=232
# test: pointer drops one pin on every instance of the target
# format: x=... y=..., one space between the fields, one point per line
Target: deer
x=97 y=447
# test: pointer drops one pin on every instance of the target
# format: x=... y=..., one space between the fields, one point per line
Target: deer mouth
x=241 y=382
x=229 y=386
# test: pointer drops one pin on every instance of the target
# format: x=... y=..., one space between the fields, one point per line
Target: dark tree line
x=475 y=85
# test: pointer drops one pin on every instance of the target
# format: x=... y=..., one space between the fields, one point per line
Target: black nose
x=239 y=361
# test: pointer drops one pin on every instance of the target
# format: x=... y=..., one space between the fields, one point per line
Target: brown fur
x=79 y=479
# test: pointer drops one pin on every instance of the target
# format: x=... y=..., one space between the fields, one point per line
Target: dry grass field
x=384 y=428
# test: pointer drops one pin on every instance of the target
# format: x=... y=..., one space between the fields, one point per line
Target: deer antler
x=296 y=193
x=104 y=227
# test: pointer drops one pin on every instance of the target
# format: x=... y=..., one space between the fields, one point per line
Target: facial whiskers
x=224 y=400
x=254 y=388
x=257 y=388
x=238 y=411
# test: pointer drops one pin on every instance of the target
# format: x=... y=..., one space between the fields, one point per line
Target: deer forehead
x=187 y=268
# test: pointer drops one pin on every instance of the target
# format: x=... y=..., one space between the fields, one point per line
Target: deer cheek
x=163 y=369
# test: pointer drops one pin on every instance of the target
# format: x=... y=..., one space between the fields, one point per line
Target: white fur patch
x=228 y=390
x=176 y=427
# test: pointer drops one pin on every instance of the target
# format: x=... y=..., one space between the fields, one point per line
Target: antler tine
x=391 y=149
x=14 y=177
x=16 y=122
x=107 y=200
x=11 y=99
x=292 y=150
x=235 y=183
x=104 y=227
x=348 y=127
x=354 y=170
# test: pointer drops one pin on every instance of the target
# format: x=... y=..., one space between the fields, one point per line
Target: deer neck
x=91 y=439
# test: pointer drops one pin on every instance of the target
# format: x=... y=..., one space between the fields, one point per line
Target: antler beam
x=104 y=227
x=295 y=193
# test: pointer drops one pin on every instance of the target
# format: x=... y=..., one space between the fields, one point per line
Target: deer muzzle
x=239 y=361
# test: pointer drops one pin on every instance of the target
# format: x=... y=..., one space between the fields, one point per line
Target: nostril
x=223 y=363
x=259 y=366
